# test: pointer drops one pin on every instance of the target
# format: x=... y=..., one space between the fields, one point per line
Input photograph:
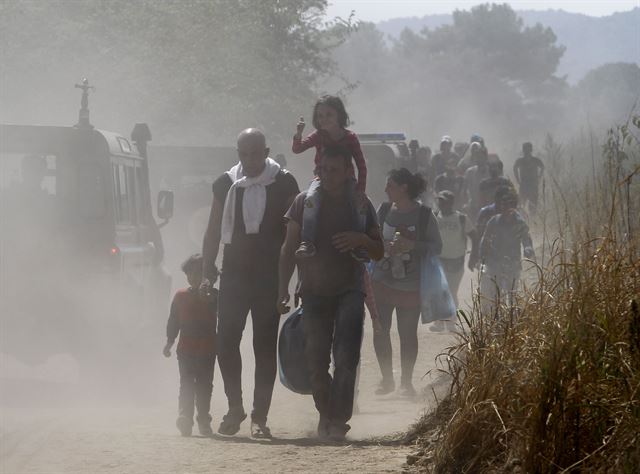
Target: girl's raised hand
x=300 y=126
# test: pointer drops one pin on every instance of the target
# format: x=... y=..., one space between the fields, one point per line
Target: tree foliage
x=486 y=72
x=196 y=70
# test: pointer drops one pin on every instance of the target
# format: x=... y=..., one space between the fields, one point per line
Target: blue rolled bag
x=292 y=362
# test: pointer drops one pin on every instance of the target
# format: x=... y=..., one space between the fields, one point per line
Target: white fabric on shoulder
x=254 y=201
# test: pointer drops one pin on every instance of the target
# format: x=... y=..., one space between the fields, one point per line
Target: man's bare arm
x=287 y=264
x=516 y=172
x=211 y=244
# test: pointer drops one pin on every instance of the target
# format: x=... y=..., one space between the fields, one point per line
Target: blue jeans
x=333 y=323
x=311 y=211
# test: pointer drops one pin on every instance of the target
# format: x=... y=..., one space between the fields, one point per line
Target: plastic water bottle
x=397 y=262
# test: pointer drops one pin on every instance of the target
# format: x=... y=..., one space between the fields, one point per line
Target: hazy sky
x=378 y=10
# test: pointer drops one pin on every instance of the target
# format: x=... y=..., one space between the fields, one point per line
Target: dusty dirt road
x=51 y=422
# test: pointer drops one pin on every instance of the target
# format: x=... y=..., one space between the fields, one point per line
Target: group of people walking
x=348 y=255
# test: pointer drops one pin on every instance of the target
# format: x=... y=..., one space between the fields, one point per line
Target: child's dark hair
x=416 y=184
x=334 y=151
x=193 y=263
x=335 y=103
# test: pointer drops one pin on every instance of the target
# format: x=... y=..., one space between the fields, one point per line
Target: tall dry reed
x=552 y=383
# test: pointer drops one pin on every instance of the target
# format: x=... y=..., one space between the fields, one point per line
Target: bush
x=552 y=383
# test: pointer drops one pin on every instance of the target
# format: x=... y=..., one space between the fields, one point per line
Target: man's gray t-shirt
x=331 y=272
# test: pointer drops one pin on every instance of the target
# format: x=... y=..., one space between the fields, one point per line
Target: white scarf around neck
x=254 y=201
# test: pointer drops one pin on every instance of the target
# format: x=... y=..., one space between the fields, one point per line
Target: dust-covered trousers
x=196 y=384
x=235 y=301
x=333 y=323
x=499 y=282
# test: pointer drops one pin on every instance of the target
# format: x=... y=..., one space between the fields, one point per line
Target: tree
x=607 y=94
x=197 y=71
x=486 y=72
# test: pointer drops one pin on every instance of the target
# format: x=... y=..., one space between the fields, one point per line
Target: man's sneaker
x=338 y=431
x=407 y=390
x=231 y=422
x=306 y=250
x=185 y=425
x=360 y=254
x=205 y=429
x=385 y=386
x=260 y=431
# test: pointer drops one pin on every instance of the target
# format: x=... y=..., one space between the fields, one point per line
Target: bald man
x=247 y=217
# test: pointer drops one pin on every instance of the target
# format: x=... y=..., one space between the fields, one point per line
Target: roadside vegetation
x=552 y=384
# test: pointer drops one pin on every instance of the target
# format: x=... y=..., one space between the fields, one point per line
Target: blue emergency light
x=382 y=137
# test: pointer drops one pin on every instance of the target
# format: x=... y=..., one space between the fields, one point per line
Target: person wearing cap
x=528 y=171
x=455 y=228
x=440 y=160
x=467 y=161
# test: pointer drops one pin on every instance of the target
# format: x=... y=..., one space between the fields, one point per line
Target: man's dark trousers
x=333 y=322
x=196 y=384
x=237 y=297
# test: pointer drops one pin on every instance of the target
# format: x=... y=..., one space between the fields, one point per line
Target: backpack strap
x=423 y=222
x=463 y=221
x=385 y=207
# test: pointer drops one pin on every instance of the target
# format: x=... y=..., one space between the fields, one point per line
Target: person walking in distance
x=455 y=228
x=528 y=171
x=505 y=235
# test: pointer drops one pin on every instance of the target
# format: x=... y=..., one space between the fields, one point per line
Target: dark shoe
x=361 y=255
x=306 y=250
x=205 y=429
x=386 y=386
x=185 y=425
x=323 y=428
x=407 y=390
x=338 y=431
x=260 y=431
x=231 y=422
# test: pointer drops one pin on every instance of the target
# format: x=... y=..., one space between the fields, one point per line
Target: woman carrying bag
x=410 y=233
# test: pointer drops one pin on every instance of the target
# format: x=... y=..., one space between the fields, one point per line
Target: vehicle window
x=140 y=197
x=18 y=171
x=134 y=191
x=121 y=194
x=125 y=146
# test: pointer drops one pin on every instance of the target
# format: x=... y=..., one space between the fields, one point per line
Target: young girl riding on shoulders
x=330 y=120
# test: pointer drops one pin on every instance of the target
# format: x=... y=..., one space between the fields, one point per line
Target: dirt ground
x=51 y=422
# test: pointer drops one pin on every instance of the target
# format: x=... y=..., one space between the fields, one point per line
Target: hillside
x=590 y=41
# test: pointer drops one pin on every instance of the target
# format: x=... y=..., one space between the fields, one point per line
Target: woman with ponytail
x=410 y=232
